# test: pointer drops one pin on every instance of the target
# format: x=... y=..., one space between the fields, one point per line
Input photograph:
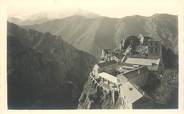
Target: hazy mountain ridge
x=43 y=70
x=29 y=21
x=93 y=34
x=42 y=17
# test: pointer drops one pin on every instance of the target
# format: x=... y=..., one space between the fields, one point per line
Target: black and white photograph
x=92 y=54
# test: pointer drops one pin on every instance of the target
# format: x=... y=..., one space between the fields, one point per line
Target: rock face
x=43 y=70
x=94 y=34
x=93 y=98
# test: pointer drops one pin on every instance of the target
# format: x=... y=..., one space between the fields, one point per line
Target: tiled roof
x=130 y=93
x=142 y=61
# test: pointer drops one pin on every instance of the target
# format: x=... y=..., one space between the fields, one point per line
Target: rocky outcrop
x=95 y=98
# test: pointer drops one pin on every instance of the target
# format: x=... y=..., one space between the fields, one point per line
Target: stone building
x=154 y=49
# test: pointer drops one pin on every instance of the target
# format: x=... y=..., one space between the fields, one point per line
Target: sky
x=110 y=8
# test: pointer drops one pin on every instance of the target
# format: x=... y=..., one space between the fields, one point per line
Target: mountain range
x=43 y=70
x=49 y=59
x=94 y=34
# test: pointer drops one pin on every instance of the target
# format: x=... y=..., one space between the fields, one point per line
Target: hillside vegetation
x=43 y=70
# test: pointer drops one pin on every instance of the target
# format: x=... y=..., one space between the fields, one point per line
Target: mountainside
x=43 y=70
x=93 y=34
